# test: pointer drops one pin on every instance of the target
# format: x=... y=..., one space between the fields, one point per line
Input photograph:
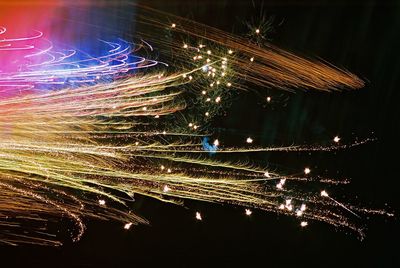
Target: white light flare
x=198 y=216
x=127 y=226
x=307 y=171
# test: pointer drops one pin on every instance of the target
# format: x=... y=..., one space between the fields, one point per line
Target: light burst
x=85 y=135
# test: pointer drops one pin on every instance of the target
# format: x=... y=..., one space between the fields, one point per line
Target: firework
x=86 y=135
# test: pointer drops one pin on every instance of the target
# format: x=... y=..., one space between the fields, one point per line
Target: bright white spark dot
x=127 y=226
x=144 y=108
x=230 y=51
x=307 y=170
x=190 y=125
x=173 y=25
x=208 y=52
x=166 y=189
x=282 y=206
x=268 y=99
x=279 y=186
x=229 y=84
x=252 y=59
x=207 y=113
x=266 y=174
x=282 y=181
x=218 y=99
x=303 y=224
x=203 y=92
x=164 y=132
x=324 y=193
x=249 y=140
x=336 y=139
x=248 y=212
x=137 y=143
x=303 y=207
x=157 y=116
x=169 y=170
x=185 y=46
x=257 y=31
x=288 y=201
x=102 y=202
x=299 y=213
x=162 y=167
x=216 y=142
x=198 y=216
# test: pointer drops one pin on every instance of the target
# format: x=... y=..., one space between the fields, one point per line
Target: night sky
x=361 y=36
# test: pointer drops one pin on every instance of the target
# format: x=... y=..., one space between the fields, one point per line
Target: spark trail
x=85 y=135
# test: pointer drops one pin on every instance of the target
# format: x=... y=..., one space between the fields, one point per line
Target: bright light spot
x=299 y=213
x=230 y=51
x=166 y=189
x=127 y=226
x=157 y=116
x=303 y=207
x=289 y=207
x=164 y=132
x=190 y=77
x=137 y=143
x=257 y=31
x=209 y=52
x=102 y=202
x=216 y=142
x=185 y=46
x=218 y=99
x=303 y=224
x=195 y=127
x=198 y=216
x=248 y=212
x=252 y=59
x=282 y=181
x=162 y=167
x=249 y=140
x=208 y=99
x=203 y=92
x=279 y=186
x=169 y=170
x=173 y=25
x=207 y=113
x=307 y=170
x=288 y=201
x=266 y=174
x=190 y=125
x=324 y=193
x=282 y=206
x=229 y=84
x=144 y=108
x=336 y=139
x=268 y=99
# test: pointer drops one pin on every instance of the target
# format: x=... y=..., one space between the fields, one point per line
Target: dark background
x=362 y=36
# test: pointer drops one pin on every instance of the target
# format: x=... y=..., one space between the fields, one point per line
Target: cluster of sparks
x=84 y=150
